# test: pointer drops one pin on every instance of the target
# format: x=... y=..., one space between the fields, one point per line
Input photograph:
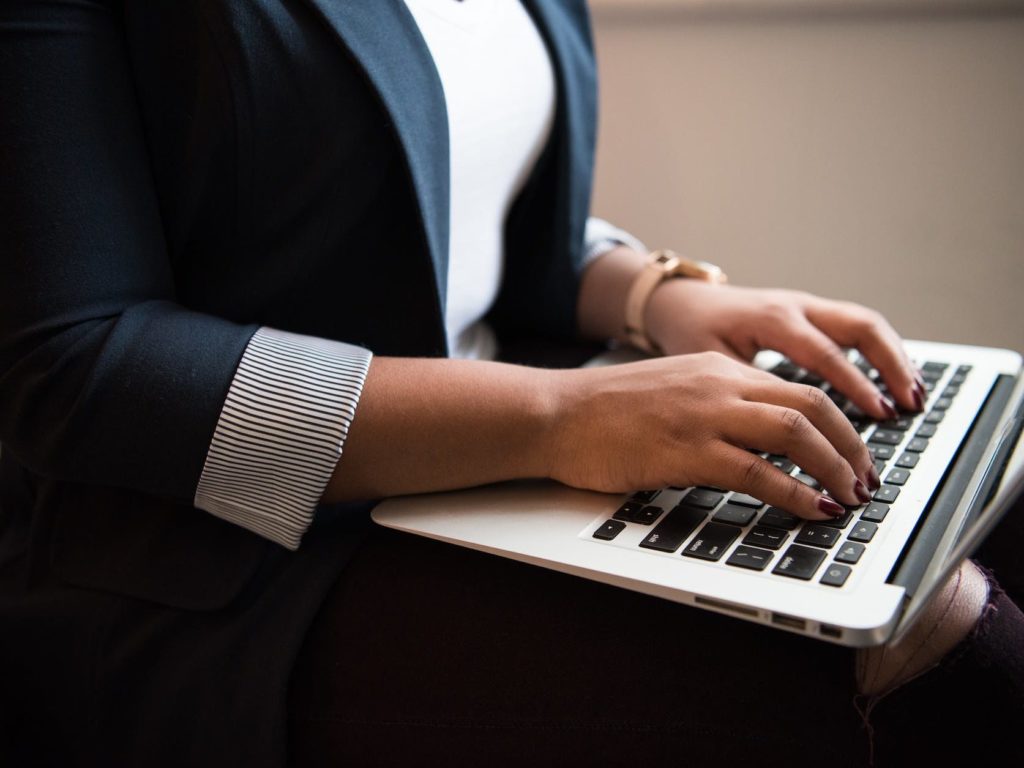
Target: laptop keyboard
x=717 y=525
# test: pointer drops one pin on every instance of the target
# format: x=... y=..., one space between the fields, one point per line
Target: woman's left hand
x=685 y=316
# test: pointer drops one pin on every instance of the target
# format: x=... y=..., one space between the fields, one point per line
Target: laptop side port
x=721 y=605
x=790 y=622
x=828 y=630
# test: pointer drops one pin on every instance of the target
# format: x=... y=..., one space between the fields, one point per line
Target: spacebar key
x=671 y=532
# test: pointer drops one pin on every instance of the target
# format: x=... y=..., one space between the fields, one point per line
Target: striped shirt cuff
x=599 y=237
x=281 y=432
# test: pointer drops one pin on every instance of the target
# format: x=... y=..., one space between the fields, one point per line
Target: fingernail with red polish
x=874 y=481
x=829 y=507
x=918 y=401
x=888 y=407
x=861 y=492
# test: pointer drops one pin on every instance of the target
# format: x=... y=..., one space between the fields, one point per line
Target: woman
x=214 y=213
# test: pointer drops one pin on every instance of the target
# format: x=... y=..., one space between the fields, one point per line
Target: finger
x=826 y=418
x=788 y=432
x=748 y=473
x=852 y=325
x=808 y=347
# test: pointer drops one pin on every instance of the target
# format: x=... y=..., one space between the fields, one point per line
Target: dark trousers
x=430 y=654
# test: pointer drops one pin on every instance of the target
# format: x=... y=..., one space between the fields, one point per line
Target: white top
x=499 y=89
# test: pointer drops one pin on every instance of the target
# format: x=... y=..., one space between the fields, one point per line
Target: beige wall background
x=869 y=150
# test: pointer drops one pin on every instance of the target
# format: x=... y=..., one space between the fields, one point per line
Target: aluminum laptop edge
x=971 y=475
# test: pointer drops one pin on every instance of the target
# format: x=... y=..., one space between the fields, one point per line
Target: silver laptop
x=948 y=476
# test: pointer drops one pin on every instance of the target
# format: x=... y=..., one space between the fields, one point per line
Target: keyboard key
x=702 y=498
x=925 y=430
x=712 y=541
x=807 y=480
x=898 y=476
x=779 y=518
x=863 y=531
x=766 y=537
x=917 y=445
x=908 y=460
x=839 y=522
x=781 y=463
x=800 y=562
x=787 y=370
x=879 y=451
x=812 y=380
x=644 y=497
x=628 y=511
x=671 y=532
x=875 y=512
x=750 y=557
x=951 y=391
x=818 y=536
x=838 y=398
x=887 y=494
x=934 y=417
x=879 y=467
x=609 y=530
x=746 y=501
x=902 y=424
x=734 y=515
x=942 y=404
x=647 y=515
x=958 y=378
x=850 y=552
x=886 y=437
x=934 y=367
x=836 y=575
x=963 y=369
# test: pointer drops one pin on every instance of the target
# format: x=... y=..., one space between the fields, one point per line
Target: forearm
x=436 y=424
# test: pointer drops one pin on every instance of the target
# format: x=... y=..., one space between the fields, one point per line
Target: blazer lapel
x=384 y=38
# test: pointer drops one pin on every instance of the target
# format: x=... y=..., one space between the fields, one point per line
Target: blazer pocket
x=162 y=551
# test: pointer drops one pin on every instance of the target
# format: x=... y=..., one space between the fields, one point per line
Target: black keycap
x=807 y=480
x=779 y=518
x=799 y=562
x=609 y=530
x=840 y=522
x=812 y=380
x=929 y=386
x=863 y=531
x=936 y=367
x=860 y=423
x=879 y=466
x=931 y=377
x=786 y=370
x=934 y=417
x=735 y=515
x=880 y=451
x=782 y=463
x=647 y=515
x=886 y=437
x=875 y=512
x=627 y=511
x=898 y=476
x=746 y=501
x=942 y=404
x=673 y=530
x=917 y=445
x=750 y=557
x=957 y=379
x=908 y=460
x=951 y=391
x=766 y=537
x=963 y=369
x=925 y=430
x=836 y=575
x=705 y=499
x=712 y=541
x=850 y=552
x=818 y=536
x=644 y=497
x=902 y=424
x=838 y=398
x=886 y=494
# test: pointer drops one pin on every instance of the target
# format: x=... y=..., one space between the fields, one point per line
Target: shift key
x=671 y=532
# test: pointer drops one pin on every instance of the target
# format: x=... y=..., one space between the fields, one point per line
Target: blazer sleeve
x=104 y=377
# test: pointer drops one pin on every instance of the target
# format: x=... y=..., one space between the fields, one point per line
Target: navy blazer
x=174 y=174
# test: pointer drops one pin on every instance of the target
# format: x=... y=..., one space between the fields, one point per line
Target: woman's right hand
x=692 y=420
